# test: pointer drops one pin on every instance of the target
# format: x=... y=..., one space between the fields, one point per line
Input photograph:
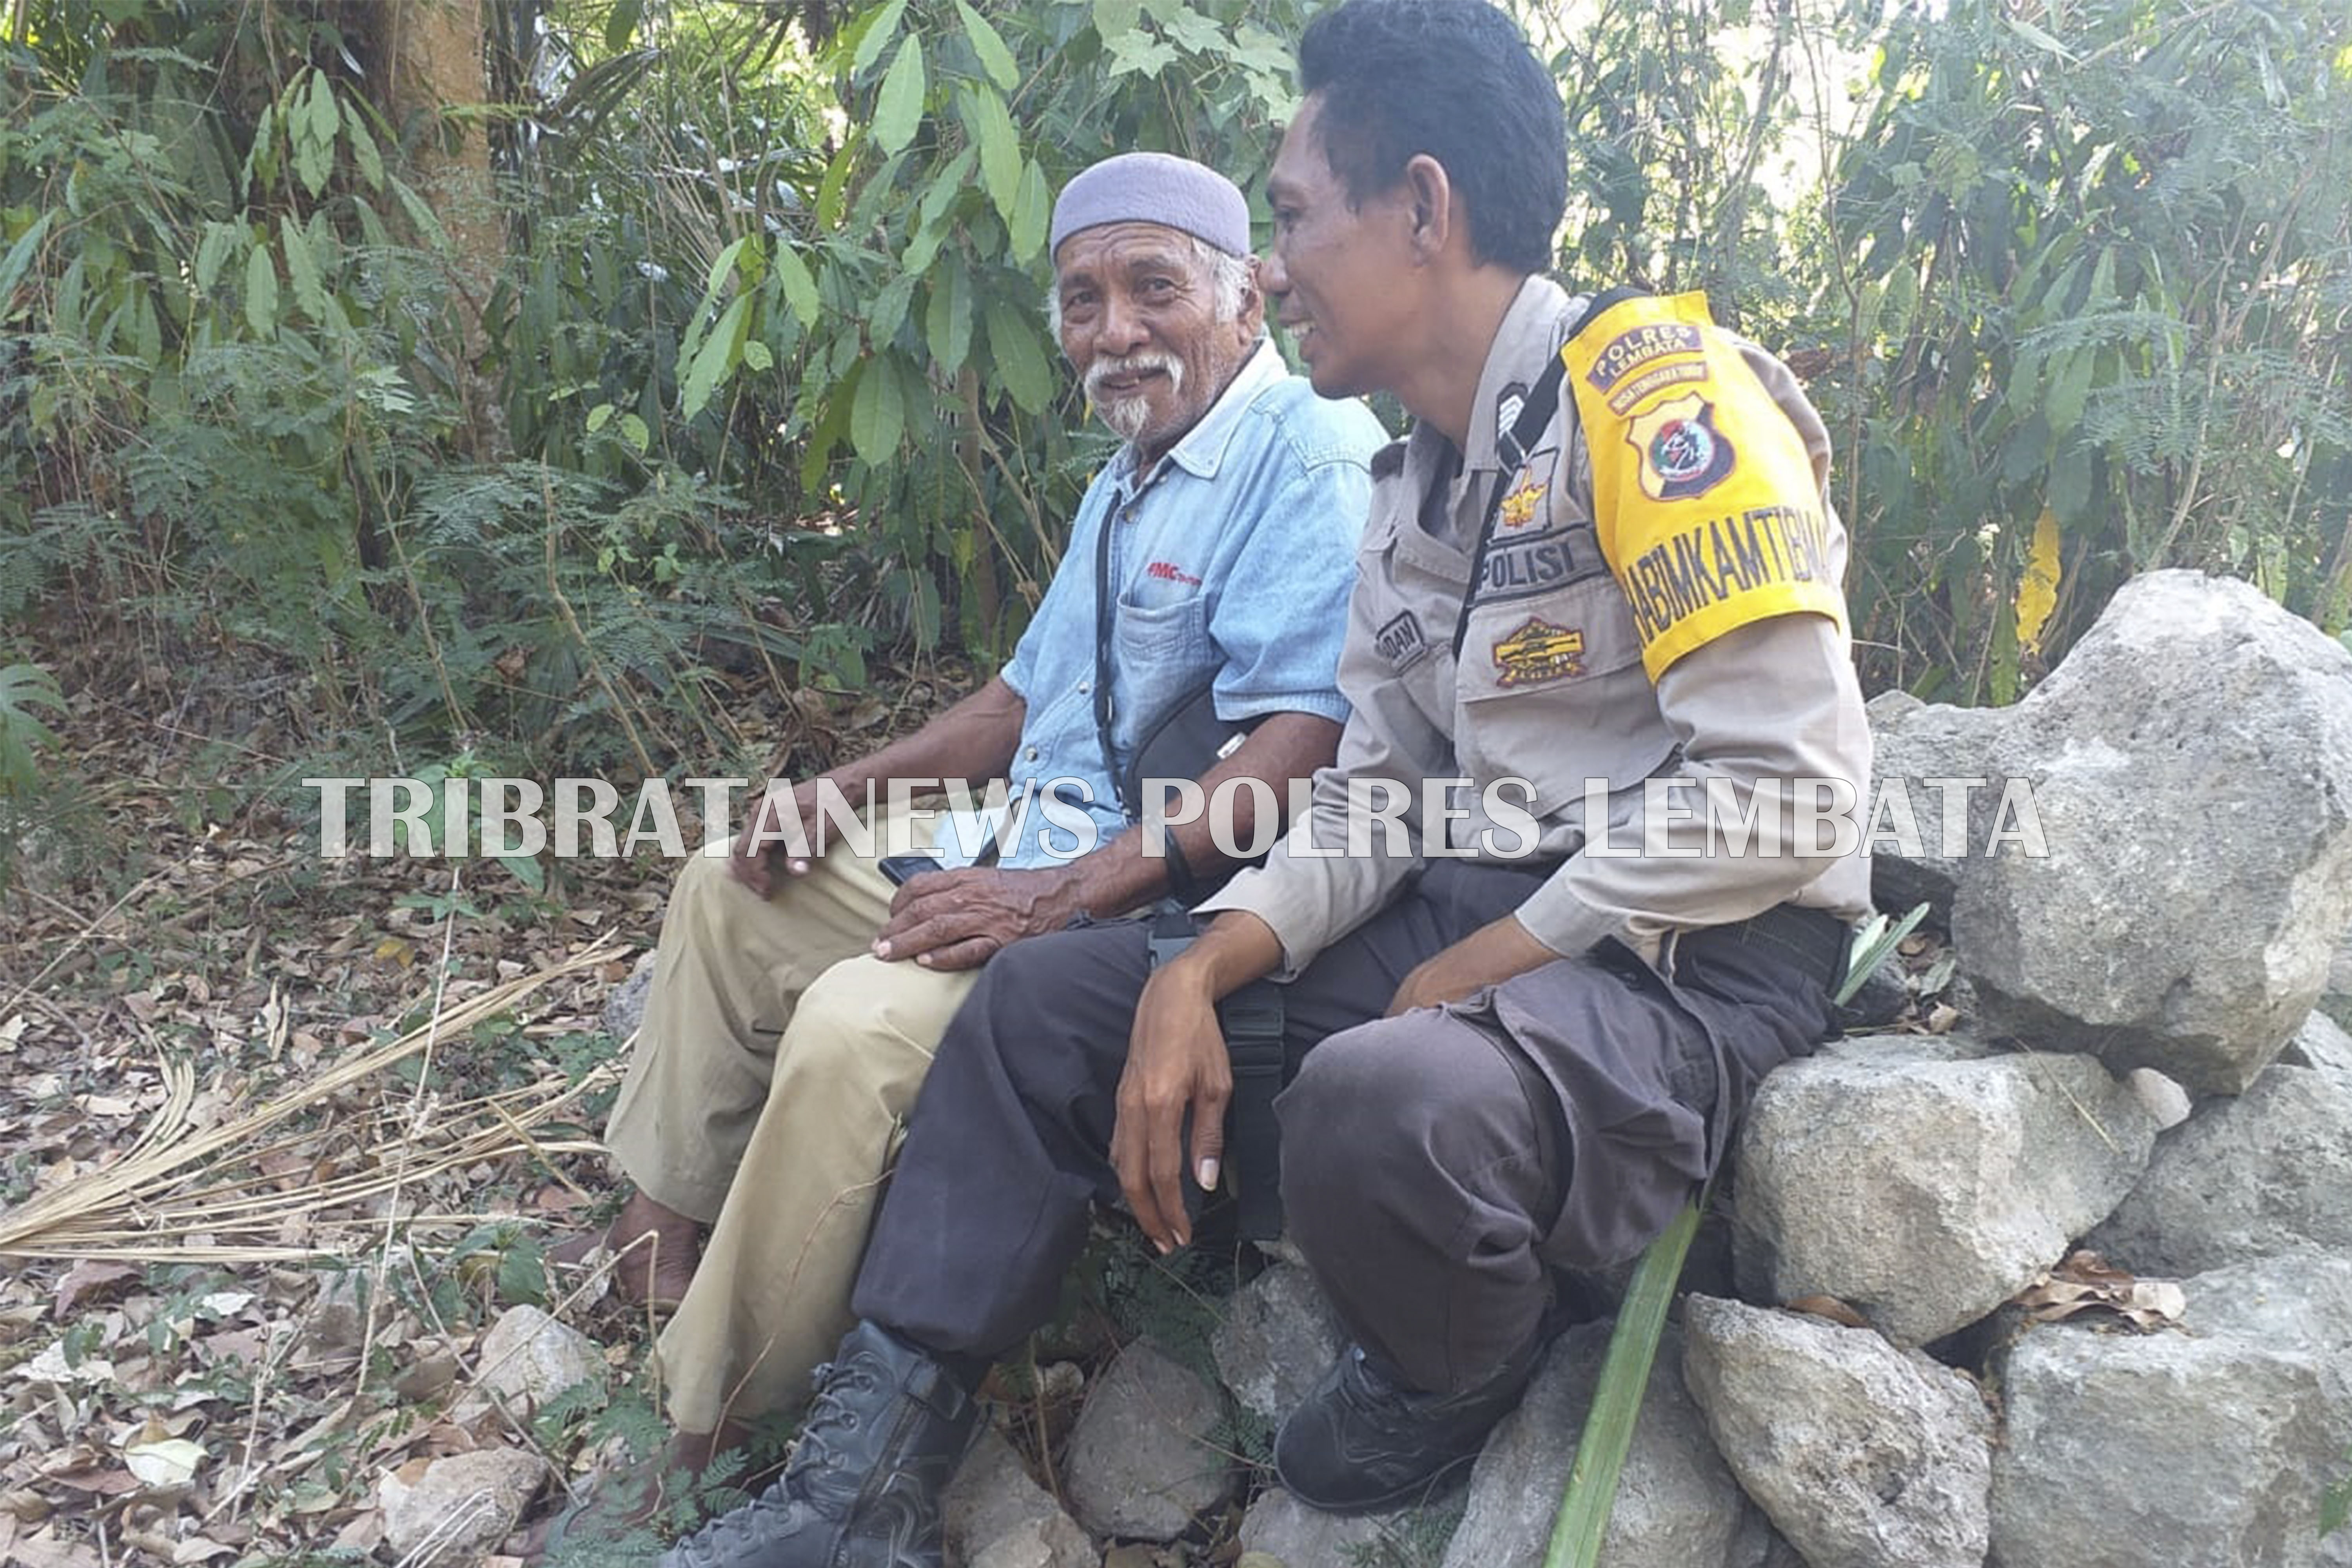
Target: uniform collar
x=1531 y=332
x=1202 y=449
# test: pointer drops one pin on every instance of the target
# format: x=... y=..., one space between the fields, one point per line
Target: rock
x=995 y=1516
x=2190 y=767
x=1279 y=1527
x=2123 y=1450
x=1863 y=1456
x=2321 y=1043
x=2266 y=1171
x=1923 y=1181
x=527 y=1358
x=624 y=1010
x=459 y=1507
x=1277 y=1336
x=1139 y=1461
x=1677 y=1505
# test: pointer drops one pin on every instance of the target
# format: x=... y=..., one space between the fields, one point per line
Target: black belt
x=1815 y=941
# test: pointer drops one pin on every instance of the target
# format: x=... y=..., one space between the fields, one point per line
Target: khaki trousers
x=769 y=1090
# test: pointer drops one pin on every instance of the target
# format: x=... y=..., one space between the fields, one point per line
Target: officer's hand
x=778 y=832
x=1175 y=1063
x=958 y=920
x=1487 y=956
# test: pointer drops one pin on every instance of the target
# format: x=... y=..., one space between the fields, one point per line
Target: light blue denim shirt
x=1235 y=557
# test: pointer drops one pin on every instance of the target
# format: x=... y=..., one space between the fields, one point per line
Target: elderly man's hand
x=1176 y=1063
x=957 y=920
x=1487 y=956
x=776 y=833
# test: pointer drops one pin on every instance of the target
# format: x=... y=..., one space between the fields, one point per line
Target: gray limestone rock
x=2189 y=768
x=1924 y=1181
x=995 y=1516
x=1863 y=1456
x=1298 y=1536
x=461 y=1508
x=1277 y=1336
x=2123 y=1450
x=2321 y=1043
x=1677 y=1505
x=1139 y=1461
x=626 y=1008
x=2268 y=1171
x=529 y=1357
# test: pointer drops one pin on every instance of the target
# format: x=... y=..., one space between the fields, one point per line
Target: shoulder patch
x=1389 y=462
x=1703 y=495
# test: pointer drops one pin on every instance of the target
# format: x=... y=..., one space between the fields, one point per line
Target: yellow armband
x=1703 y=494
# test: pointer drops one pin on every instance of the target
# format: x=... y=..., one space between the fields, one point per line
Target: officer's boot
x=1362 y=1440
x=883 y=1437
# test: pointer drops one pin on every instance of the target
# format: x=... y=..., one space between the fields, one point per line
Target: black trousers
x=1434 y=1165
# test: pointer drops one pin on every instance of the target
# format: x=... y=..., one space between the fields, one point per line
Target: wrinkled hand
x=958 y=920
x=781 y=818
x=1487 y=956
x=1176 y=1062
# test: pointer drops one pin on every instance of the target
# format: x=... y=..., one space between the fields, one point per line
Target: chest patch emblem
x=1401 y=641
x=1683 y=454
x=1521 y=504
x=1536 y=652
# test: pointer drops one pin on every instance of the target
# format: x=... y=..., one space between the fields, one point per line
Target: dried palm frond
x=184 y=1193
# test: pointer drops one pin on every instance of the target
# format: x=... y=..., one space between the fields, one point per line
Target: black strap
x=1251 y=1021
x=1515 y=444
x=1103 y=606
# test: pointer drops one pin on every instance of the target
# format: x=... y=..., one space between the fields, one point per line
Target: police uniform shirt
x=1696 y=629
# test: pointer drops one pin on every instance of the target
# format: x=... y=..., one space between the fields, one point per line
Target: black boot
x=1362 y=1441
x=883 y=1437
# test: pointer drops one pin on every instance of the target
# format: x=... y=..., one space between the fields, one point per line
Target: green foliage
x=2099 y=266
x=24 y=688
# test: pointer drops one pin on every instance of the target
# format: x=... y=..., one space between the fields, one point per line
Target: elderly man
x=797 y=997
x=1520 y=1029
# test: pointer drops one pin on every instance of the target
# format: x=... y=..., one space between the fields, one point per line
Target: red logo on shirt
x=1169 y=572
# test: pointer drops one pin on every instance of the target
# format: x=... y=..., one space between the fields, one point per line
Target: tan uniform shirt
x=1550 y=688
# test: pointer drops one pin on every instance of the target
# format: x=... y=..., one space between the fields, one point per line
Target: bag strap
x=1515 y=444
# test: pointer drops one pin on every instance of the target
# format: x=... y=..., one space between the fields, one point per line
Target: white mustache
x=1140 y=363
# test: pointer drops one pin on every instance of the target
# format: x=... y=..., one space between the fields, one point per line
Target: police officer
x=1598 y=646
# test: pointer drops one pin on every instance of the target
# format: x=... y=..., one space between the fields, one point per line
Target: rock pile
x=2142 y=1071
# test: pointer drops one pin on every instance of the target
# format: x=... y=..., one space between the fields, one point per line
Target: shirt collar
x=1531 y=332
x=1202 y=447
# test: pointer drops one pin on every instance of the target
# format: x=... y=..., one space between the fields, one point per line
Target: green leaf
x=621 y=26
x=947 y=319
x=989 y=44
x=876 y=417
x=2070 y=389
x=302 y=270
x=1020 y=357
x=261 y=292
x=1114 y=19
x=721 y=270
x=878 y=36
x=800 y=286
x=599 y=416
x=832 y=192
x=999 y=147
x=634 y=431
x=1582 y=1523
x=1030 y=215
x=716 y=358
x=523 y=1267
x=20 y=257
x=899 y=108
x=756 y=354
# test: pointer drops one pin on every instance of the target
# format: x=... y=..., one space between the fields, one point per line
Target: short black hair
x=1455 y=79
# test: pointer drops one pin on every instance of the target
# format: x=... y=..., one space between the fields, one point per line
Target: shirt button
x=1030 y=755
x=1085 y=686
